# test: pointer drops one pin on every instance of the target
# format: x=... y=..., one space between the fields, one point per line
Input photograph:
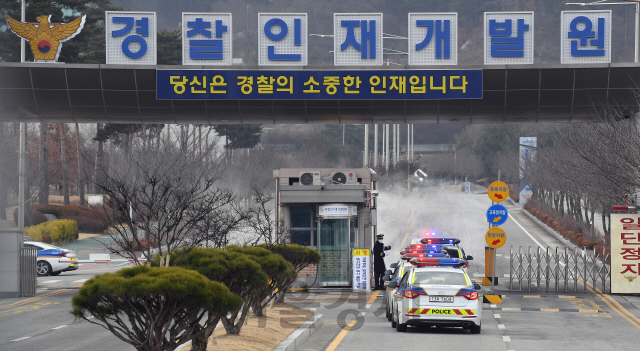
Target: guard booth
x=332 y=211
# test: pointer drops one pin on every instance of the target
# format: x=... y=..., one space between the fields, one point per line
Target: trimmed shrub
x=89 y=224
x=60 y=230
x=36 y=216
x=87 y=218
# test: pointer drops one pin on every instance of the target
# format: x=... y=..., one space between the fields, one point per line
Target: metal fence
x=558 y=269
x=28 y=271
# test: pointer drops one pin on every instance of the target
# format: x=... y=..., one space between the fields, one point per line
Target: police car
x=400 y=268
x=398 y=271
x=436 y=292
x=52 y=260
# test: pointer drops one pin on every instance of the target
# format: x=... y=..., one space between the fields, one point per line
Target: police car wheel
x=393 y=322
x=388 y=315
x=43 y=268
x=475 y=329
x=401 y=327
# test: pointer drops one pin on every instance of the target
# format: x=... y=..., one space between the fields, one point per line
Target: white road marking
x=506 y=275
x=50 y=281
x=368 y=306
x=498 y=255
x=526 y=232
x=506 y=338
x=496 y=316
x=20 y=339
x=60 y=327
x=494 y=305
x=500 y=326
x=80 y=280
x=532 y=238
x=478 y=275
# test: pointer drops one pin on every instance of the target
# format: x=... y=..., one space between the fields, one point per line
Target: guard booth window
x=302 y=226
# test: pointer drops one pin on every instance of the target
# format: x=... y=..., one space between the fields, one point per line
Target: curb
x=302 y=334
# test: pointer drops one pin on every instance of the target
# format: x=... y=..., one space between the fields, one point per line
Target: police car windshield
x=440 y=278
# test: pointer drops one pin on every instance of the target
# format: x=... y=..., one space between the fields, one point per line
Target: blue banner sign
x=319 y=85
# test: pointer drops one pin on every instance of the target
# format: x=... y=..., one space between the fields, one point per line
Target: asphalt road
x=525 y=320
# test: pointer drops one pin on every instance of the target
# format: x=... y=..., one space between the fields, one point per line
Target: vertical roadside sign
x=467 y=187
x=495 y=237
x=625 y=253
x=361 y=269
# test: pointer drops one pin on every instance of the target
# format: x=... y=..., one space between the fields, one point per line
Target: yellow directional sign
x=495 y=238
x=498 y=191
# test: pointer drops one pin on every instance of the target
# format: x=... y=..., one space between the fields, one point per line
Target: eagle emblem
x=46 y=38
x=630 y=278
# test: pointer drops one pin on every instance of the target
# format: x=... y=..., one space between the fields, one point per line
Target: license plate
x=440 y=298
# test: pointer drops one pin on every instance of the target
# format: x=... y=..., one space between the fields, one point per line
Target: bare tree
x=63 y=164
x=80 y=182
x=167 y=197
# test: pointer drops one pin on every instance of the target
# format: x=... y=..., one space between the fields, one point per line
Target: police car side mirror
x=469 y=258
x=393 y=265
x=393 y=284
x=477 y=286
x=388 y=272
x=386 y=278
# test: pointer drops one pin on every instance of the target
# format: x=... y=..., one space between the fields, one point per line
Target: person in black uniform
x=378 y=261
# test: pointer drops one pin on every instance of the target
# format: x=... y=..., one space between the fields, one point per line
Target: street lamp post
x=628 y=2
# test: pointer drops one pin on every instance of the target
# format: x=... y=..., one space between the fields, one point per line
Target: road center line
x=33 y=299
x=60 y=327
x=612 y=306
x=615 y=303
x=341 y=336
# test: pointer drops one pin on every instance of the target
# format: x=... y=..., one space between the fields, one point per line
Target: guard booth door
x=336 y=238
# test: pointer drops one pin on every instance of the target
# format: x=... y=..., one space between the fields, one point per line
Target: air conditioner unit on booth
x=344 y=177
x=310 y=178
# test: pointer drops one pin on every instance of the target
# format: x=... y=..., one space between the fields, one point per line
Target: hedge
x=60 y=230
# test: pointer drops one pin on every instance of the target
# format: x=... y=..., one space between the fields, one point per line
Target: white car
x=397 y=274
x=52 y=260
x=433 y=295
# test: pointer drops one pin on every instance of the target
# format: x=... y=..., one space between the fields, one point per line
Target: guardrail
x=560 y=267
x=28 y=271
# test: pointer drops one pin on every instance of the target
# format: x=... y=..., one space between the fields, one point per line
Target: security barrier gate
x=558 y=268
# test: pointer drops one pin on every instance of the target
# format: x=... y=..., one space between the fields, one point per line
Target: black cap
x=380 y=236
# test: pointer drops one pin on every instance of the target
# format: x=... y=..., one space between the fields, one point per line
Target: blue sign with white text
x=319 y=85
x=497 y=214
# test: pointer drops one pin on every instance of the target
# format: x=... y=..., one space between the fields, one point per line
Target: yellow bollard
x=488 y=265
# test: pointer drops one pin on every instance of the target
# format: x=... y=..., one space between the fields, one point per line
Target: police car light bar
x=440 y=241
x=425 y=247
x=438 y=262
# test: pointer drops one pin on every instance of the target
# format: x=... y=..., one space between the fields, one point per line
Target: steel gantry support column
x=366 y=146
x=375 y=147
x=386 y=147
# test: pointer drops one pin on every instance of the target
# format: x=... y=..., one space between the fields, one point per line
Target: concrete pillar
x=10 y=242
